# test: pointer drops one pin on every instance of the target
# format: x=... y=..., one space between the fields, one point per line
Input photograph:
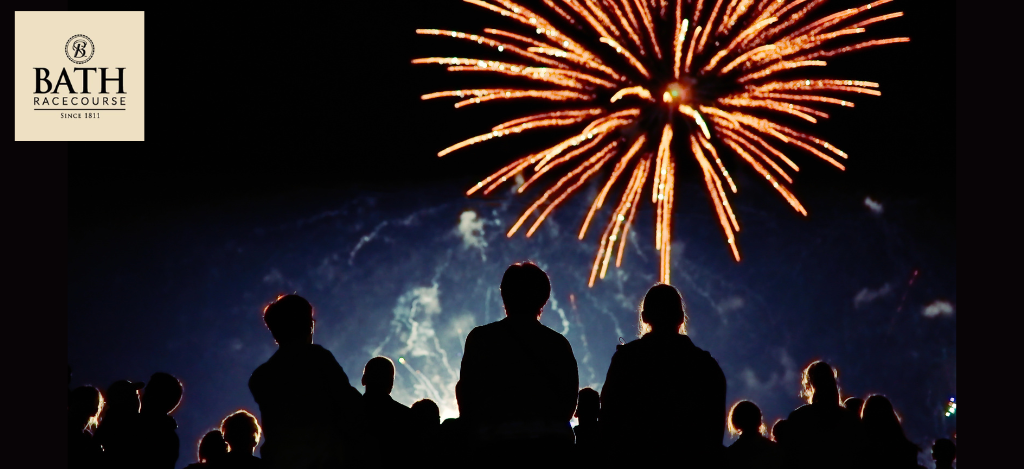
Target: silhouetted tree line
x=663 y=400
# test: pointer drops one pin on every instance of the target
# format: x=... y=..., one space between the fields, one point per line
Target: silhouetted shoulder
x=481 y=331
x=319 y=351
x=626 y=353
x=553 y=336
x=284 y=360
x=653 y=342
x=711 y=362
x=507 y=326
x=801 y=412
x=261 y=371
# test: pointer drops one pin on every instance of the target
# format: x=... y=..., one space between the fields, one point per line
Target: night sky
x=289 y=151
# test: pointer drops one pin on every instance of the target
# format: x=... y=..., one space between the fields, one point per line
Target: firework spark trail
x=561 y=315
x=657 y=78
x=363 y=240
x=413 y=318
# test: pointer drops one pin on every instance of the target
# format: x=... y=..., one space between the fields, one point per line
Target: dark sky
x=251 y=109
x=254 y=102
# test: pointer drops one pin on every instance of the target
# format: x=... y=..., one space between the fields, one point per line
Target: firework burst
x=657 y=77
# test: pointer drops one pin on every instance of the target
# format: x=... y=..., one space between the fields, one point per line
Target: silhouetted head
x=84 y=407
x=854 y=405
x=745 y=419
x=820 y=385
x=426 y=412
x=880 y=419
x=162 y=395
x=379 y=375
x=212 y=446
x=123 y=397
x=944 y=451
x=290 y=320
x=662 y=310
x=241 y=432
x=780 y=431
x=589 y=405
x=524 y=290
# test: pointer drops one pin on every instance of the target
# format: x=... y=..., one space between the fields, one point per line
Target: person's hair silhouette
x=84 y=406
x=212 y=450
x=853 y=405
x=525 y=289
x=662 y=309
x=663 y=393
x=887 y=445
x=819 y=383
x=745 y=417
x=944 y=453
x=879 y=417
x=379 y=375
x=123 y=397
x=162 y=394
x=780 y=431
x=290 y=320
x=589 y=406
x=241 y=432
x=212 y=446
x=426 y=413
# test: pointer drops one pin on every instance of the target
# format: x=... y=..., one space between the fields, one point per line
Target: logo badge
x=79 y=49
x=77 y=95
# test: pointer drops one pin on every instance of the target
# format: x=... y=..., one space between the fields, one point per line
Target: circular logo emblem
x=79 y=49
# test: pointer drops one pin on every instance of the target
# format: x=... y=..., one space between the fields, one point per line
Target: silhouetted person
x=307 y=406
x=119 y=430
x=779 y=431
x=886 y=446
x=853 y=405
x=519 y=378
x=752 y=449
x=160 y=444
x=588 y=410
x=454 y=430
x=944 y=453
x=822 y=432
x=664 y=397
x=426 y=424
x=242 y=433
x=84 y=406
x=212 y=450
x=426 y=414
x=781 y=437
x=384 y=419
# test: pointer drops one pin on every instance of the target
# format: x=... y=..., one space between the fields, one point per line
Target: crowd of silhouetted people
x=663 y=400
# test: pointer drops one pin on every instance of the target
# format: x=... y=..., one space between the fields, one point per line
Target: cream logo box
x=79 y=76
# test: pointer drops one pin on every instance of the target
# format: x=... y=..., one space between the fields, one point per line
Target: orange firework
x=708 y=76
